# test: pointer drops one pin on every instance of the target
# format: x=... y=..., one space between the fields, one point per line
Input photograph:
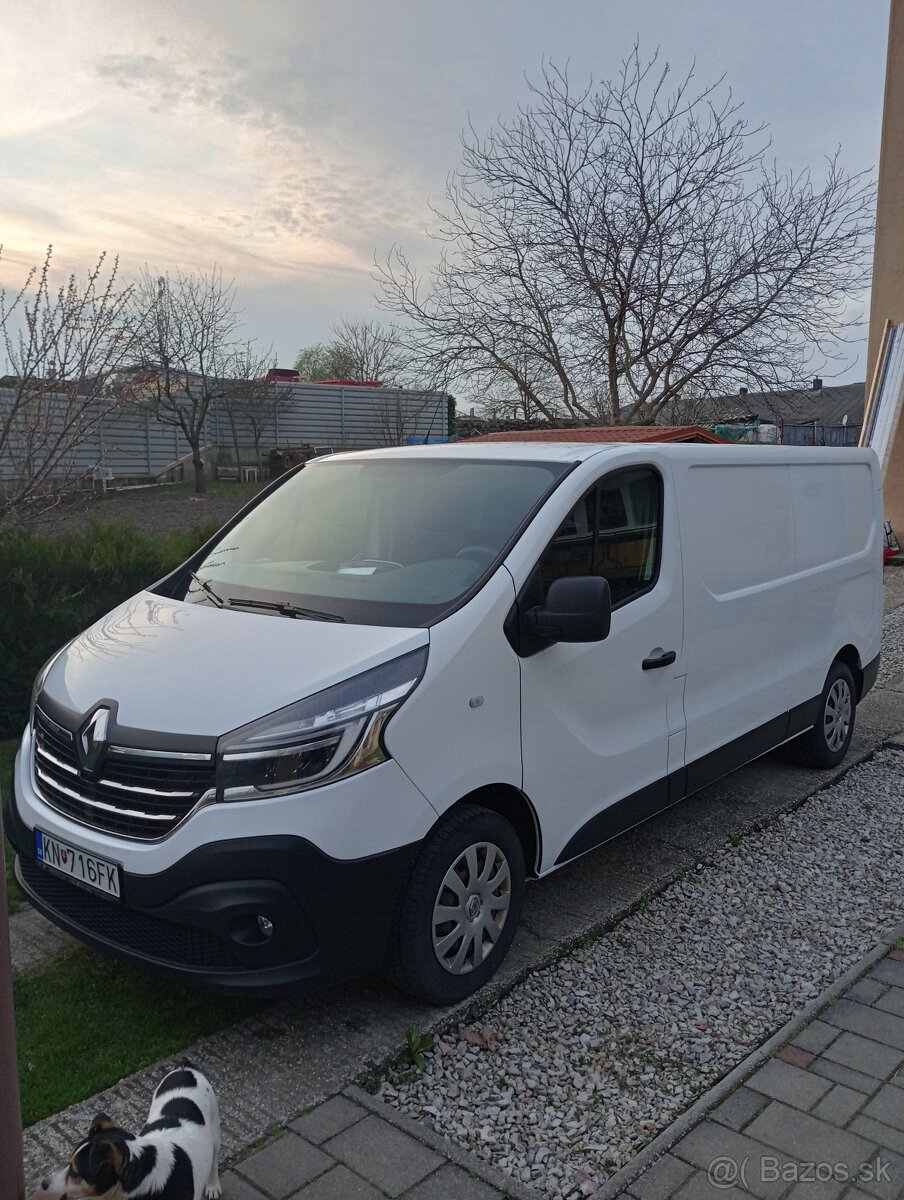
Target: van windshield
x=389 y=541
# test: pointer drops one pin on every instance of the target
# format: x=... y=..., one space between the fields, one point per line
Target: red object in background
x=281 y=375
x=349 y=382
x=605 y=433
x=891 y=549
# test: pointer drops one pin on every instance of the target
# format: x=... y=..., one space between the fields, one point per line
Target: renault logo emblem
x=93 y=738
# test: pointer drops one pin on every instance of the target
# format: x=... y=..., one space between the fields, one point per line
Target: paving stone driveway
x=823 y=1118
x=341 y=1151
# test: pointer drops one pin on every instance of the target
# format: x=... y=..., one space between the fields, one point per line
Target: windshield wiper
x=286 y=610
x=215 y=596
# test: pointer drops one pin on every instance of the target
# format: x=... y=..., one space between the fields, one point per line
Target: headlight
x=336 y=732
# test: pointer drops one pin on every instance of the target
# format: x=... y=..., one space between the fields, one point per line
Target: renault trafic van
x=401 y=682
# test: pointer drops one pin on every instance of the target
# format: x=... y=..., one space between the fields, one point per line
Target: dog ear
x=100 y=1123
x=107 y=1152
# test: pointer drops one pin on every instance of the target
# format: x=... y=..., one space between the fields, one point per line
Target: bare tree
x=189 y=341
x=403 y=414
x=361 y=350
x=251 y=403
x=612 y=248
x=64 y=349
x=376 y=350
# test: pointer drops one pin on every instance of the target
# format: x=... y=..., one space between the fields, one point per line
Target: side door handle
x=662 y=660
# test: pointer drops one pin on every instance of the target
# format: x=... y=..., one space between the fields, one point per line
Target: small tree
x=324 y=361
x=614 y=247
x=189 y=327
x=250 y=403
x=64 y=348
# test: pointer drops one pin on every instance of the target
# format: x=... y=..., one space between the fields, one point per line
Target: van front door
x=603 y=722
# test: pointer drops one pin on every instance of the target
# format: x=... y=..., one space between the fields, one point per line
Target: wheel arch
x=849 y=655
x=512 y=804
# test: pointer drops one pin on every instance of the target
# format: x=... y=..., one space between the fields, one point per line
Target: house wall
x=887 y=301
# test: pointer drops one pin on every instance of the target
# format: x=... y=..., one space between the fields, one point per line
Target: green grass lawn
x=215 y=487
x=84 y=1021
x=7 y=756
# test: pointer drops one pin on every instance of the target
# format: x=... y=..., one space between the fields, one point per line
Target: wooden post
x=12 y=1171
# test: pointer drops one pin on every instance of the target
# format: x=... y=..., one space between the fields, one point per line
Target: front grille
x=150 y=937
x=132 y=795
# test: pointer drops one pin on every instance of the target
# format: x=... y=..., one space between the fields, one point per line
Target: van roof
x=553 y=452
x=492 y=451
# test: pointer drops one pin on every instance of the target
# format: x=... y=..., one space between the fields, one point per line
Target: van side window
x=571 y=550
x=626 y=547
x=613 y=531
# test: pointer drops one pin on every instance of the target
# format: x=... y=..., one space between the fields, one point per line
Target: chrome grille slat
x=143 y=797
x=56 y=761
x=125 y=812
x=178 y=755
x=125 y=787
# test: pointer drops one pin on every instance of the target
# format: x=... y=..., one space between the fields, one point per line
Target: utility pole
x=12 y=1171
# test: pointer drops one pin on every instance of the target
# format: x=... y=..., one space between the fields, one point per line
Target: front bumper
x=196 y=922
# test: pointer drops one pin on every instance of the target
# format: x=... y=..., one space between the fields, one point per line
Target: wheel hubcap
x=471 y=907
x=837 y=716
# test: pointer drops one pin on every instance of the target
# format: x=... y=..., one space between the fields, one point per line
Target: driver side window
x=614 y=531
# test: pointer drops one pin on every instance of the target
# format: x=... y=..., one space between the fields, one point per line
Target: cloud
x=177 y=161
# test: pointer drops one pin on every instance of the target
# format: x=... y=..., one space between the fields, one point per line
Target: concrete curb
x=621 y=1180
x=424 y=1133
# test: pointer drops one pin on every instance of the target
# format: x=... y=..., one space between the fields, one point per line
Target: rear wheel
x=459 y=911
x=826 y=744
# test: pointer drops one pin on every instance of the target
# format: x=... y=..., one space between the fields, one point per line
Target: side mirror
x=577 y=610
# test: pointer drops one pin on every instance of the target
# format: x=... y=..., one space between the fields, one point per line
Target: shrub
x=51 y=588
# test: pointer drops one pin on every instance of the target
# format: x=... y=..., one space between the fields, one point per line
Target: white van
x=400 y=682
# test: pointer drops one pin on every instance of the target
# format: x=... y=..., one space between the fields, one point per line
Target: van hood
x=184 y=668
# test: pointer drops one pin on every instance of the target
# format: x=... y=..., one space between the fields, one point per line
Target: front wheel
x=460 y=908
x=826 y=744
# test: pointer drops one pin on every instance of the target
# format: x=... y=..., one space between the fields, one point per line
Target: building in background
x=887 y=300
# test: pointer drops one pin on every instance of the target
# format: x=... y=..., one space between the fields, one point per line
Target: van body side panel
x=461 y=730
x=596 y=726
x=838 y=531
x=738 y=542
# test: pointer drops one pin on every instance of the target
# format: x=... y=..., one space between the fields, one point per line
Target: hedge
x=51 y=588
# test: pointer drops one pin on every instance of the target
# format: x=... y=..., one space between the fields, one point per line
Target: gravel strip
x=581 y=1065
x=891 y=663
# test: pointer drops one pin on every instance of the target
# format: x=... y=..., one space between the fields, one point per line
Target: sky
x=291 y=141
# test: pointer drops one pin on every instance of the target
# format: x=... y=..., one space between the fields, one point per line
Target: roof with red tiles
x=605 y=433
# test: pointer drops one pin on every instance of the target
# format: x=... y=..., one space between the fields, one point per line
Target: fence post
x=12 y=1171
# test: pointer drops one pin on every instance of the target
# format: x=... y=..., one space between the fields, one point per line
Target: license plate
x=78 y=866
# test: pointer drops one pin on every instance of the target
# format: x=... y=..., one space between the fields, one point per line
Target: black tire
x=826 y=744
x=413 y=959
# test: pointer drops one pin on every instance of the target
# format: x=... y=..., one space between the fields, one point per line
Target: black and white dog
x=174 y=1157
